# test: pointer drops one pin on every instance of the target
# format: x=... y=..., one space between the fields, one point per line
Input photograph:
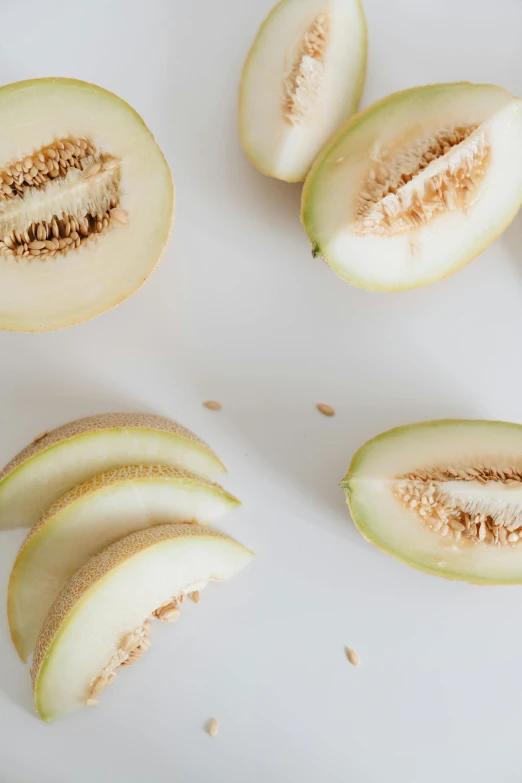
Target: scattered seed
x=352 y=656
x=213 y=727
x=326 y=410
x=212 y=405
x=195 y=596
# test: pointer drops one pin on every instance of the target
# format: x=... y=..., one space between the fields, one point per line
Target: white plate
x=240 y=312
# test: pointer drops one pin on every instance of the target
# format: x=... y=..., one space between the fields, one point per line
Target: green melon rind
x=329 y=150
x=359 y=517
x=82 y=85
x=68 y=435
x=93 y=575
x=357 y=93
x=100 y=484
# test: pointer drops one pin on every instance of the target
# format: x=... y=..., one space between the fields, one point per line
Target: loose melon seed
x=326 y=410
x=352 y=656
x=213 y=727
x=58 y=198
x=302 y=85
x=212 y=405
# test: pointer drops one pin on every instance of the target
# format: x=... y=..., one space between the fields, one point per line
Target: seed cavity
x=467 y=505
x=57 y=199
x=135 y=643
x=302 y=85
x=392 y=200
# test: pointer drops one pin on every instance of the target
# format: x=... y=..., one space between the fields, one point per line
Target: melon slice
x=303 y=77
x=86 y=203
x=417 y=185
x=90 y=517
x=99 y=621
x=58 y=460
x=444 y=497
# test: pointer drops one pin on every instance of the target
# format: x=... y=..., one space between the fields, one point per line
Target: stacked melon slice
x=119 y=507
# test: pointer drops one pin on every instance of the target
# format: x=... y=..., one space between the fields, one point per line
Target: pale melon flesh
x=70 y=454
x=444 y=497
x=86 y=203
x=90 y=517
x=303 y=77
x=111 y=596
x=417 y=185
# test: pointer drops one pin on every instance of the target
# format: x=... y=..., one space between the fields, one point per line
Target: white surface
x=240 y=312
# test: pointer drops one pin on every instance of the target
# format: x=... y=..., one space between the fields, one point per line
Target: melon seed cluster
x=461 y=517
x=77 y=162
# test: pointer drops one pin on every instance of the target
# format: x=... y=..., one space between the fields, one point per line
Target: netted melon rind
x=98 y=423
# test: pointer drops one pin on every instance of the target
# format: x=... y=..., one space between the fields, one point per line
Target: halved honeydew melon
x=303 y=77
x=417 y=185
x=90 y=517
x=100 y=618
x=86 y=203
x=444 y=497
x=68 y=455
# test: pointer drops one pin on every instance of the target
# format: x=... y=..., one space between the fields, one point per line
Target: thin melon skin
x=356 y=88
x=64 y=292
x=92 y=516
x=378 y=115
x=382 y=457
x=112 y=595
x=74 y=452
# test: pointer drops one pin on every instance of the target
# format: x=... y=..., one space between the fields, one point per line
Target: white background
x=240 y=312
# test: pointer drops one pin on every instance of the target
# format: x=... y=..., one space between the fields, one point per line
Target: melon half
x=444 y=497
x=417 y=185
x=86 y=203
x=68 y=455
x=90 y=517
x=302 y=78
x=99 y=622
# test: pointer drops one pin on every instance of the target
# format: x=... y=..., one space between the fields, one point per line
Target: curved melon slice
x=417 y=185
x=303 y=77
x=58 y=460
x=444 y=497
x=86 y=203
x=90 y=517
x=99 y=619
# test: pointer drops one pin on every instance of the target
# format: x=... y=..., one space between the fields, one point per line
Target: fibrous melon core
x=389 y=205
x=302 y=85
x=471 y=504
x=56 y=198
x=133 y=644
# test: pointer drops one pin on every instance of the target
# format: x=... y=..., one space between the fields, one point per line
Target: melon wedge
x=85 y=635
x=86 y=203
x=444 y=497
x=303 y=77
x=90 y=517
x=70 y=454
x=417 y=185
